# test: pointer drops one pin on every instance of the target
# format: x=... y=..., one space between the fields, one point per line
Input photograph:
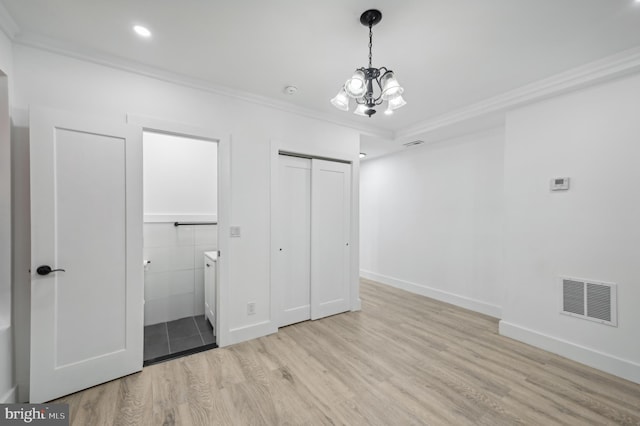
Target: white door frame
x=277 y=147
x=224 y=204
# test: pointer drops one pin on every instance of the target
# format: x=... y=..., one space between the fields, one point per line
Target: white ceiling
x=446 y=53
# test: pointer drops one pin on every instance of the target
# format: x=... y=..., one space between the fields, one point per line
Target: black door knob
x=46 y=270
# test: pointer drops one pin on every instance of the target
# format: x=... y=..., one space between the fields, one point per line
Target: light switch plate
x=235 y=231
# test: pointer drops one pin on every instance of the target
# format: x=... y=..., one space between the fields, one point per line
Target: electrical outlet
x=251 y=308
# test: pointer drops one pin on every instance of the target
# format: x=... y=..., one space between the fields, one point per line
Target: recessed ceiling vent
x=412 y=143
x=590 y=300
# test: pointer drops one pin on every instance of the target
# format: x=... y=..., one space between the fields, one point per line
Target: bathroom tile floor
x=171 y=339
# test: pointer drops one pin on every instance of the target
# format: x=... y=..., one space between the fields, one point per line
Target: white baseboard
x=10 y=396
x=626 y=369
x=248 y=332
x=443 y=296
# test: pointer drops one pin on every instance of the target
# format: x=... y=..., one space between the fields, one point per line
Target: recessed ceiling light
x=142 y=31
x=362 y=155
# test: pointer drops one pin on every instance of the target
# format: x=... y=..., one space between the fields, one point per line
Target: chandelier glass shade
x=370 y=86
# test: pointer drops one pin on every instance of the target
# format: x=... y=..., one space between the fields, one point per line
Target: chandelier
x=361 y=85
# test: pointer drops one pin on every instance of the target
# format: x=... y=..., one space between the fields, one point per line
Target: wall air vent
x=590 y=300
x=412 y=143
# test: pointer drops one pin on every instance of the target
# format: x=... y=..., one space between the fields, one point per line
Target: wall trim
x=434 y=293
x=248 y=332
x=10 y=396
x=76 y=52
x=608 y=68
x=626 y=369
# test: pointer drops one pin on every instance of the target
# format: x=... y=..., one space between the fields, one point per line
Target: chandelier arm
x=378 y=100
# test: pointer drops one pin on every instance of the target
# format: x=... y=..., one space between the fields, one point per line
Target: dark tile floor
x=176 y=336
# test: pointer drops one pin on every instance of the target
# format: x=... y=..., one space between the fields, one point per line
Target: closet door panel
x=330 y=230
x=294 y=252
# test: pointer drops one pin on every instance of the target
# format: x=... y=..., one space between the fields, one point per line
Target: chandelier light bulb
x=356 y=86
x=361 y=110
x=396 y=103
x=390 y=86
x=341 y=100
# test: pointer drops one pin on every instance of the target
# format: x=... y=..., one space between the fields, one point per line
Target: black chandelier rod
x=370 y=42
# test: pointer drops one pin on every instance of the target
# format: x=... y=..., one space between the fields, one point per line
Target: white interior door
x=86 y=218
x=294 y=245
x=330 y=231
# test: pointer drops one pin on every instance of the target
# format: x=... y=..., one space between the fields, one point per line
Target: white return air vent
x=590 y=300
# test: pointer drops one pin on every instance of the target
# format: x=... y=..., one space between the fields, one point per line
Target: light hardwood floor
x=403 y=360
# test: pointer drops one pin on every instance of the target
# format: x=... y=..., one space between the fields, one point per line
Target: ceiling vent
x=590 y=300
x=412 y=143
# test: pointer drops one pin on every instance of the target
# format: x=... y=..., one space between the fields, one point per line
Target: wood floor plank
x=135 y=400
x=98 y=405
x=403 y=360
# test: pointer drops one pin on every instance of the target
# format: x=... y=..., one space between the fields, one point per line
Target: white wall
x=7 y=381
x=431 y=220
x=180 y=178
x=591 y=231
x=61 y=82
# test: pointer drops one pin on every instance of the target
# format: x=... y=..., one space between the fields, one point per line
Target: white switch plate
x=235 y=231
x=251 y=308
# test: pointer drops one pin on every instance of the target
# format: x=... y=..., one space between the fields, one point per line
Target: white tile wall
x=174 y=280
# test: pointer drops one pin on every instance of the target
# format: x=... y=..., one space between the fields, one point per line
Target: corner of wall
x=434 y=293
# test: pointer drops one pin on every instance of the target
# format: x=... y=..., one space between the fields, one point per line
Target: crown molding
x=79 y=53
x=608 y=68
x=7 y=24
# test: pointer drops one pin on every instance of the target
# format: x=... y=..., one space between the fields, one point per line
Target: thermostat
x=560 y=184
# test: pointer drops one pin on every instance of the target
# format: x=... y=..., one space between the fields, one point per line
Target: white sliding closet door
x=313 y=223
x=330 y=231
x=294 y=245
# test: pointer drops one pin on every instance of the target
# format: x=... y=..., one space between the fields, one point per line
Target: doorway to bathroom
x=180 y=240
